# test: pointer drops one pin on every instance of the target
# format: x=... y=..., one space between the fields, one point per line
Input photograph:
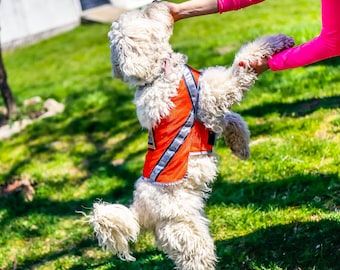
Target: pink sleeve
x=299 y=56
x=326 y=45
x=228 y=5
x=313 y=51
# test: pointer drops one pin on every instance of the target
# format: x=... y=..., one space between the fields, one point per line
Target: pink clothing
x=228 y=5
x=326 y=45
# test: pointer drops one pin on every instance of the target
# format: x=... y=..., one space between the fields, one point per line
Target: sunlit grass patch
x=277 y=210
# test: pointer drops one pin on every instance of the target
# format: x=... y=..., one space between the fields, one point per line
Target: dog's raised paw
x=280 y=42
x=263 y=47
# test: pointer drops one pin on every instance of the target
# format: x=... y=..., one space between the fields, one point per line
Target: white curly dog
x=183 y=109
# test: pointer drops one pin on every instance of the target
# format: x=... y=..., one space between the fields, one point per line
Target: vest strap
x=183 y=132
x=192 y=87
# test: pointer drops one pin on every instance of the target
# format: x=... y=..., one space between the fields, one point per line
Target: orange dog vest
x=177 y=135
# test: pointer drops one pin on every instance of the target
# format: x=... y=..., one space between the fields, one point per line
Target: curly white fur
x=143 y=57
x=107 y=218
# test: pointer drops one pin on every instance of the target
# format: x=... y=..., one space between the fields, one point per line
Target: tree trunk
x=5 y=88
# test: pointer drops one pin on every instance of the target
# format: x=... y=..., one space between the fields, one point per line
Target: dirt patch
x=24 y=185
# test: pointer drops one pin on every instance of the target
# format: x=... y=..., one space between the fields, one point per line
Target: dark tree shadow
x=334 y=62
x=319 y=191
x=298 y=245
x=289 y=245
x=296 y=109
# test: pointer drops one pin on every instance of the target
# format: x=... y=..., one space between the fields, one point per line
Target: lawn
x=277 y=210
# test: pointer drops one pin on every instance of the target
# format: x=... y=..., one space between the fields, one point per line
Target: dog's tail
x=115 y=226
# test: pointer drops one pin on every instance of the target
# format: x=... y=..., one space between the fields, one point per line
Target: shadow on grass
x=334 y=62
x=17 y=207
x=39 y=261
x=319 y=191
x=298 y=190
x=295 y=109
x=288 y=246
x=41 y=135
x=152 y=259
x=299 y=245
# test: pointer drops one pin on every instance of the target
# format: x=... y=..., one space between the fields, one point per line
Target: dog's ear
x=115 y=36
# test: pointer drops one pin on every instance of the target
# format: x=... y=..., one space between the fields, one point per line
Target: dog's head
x=139 y=42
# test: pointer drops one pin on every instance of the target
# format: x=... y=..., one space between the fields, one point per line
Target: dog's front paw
x=236 y=135
x=261 y=48
x=277 y=43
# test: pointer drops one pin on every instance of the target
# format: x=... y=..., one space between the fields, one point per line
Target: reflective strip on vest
x=183 y=132
x=194 y=89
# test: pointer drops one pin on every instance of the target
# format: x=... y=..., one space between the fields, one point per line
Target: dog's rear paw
x=115 y=226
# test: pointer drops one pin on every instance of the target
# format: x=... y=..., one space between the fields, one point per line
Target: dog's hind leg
x=187 y=242
x=115 y=225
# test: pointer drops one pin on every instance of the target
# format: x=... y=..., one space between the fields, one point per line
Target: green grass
x=277 y=210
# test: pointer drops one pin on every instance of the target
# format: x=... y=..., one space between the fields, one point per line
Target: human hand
x=260 y=66
x=173 y=9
